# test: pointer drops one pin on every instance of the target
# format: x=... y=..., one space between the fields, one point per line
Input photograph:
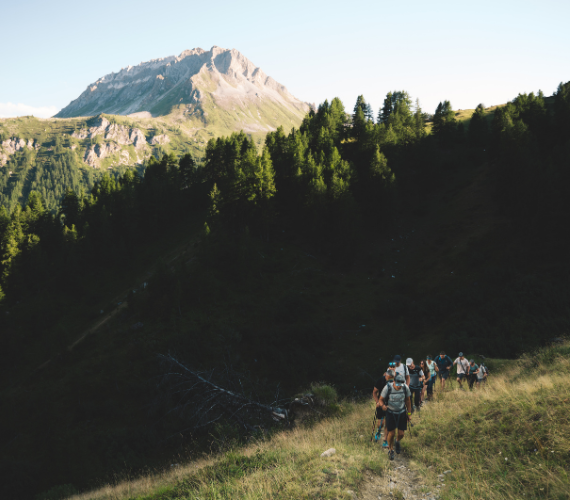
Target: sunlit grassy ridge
x=507 y=440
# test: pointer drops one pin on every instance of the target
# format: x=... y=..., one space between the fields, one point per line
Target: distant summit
x=215 y=85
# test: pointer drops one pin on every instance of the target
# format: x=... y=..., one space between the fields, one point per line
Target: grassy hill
x=414 y=291
x=275 y=298
x=505 y=440
x=183 y=130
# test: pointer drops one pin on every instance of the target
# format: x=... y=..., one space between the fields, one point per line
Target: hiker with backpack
x=473 y=371
x=427 y=378
x=395 y=401
x=385 y=379
x=416 y=383
x=444 y=363
x=462 y=369
x=481 y=374
x=400 y=368
x=432 y=366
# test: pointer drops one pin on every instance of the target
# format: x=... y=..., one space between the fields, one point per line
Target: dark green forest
x=283 y=238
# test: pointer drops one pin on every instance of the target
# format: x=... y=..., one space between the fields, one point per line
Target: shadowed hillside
x=314 y=258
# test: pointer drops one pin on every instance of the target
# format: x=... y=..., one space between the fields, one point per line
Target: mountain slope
x=169 y=105
x=215 y=85
x=505 y=440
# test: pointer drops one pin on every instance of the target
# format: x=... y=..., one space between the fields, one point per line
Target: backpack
x=406 y=370
x=390 y=385
x=387 y=398
x=415 y=371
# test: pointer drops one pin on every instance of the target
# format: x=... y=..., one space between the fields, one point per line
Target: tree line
x=332 y=181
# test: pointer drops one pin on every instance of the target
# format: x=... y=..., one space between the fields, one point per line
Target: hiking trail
x=399 y=481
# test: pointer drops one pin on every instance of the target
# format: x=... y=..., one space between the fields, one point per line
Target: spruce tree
x=386 y=110
x=478 y=127
x=187 y=169
x=444 y=123
x=358 y=124
x=419 y=124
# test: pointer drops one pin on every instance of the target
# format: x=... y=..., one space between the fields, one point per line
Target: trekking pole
x=410 y=422
x=373 y=425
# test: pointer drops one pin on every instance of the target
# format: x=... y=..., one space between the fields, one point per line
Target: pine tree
x=70 y=207
x=369 y=113
x=215 y=204
x=478 y=127
x=419 y=125
x=562 y=110
x=444 y=123
x=187 y=167
x=386 y=110
x=358 y=124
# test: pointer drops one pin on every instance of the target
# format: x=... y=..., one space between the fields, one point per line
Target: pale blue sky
x=466 y=52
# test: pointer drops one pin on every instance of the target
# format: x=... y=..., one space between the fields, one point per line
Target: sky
x=465 y=52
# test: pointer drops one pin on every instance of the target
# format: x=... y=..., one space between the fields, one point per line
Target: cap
x=428 y=357
x=460 y=354
x=397 y=357
x=409 y=361
x=399 y=378
x=471 y=361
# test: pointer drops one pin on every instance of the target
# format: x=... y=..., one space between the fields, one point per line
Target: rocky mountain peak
x=196 y=77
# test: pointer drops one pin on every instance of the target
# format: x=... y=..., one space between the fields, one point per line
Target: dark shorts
x=396 y=420
x=380 y=413
x=444 y=375
x=461 y=376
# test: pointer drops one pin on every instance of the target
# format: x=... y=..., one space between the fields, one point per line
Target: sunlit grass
x=507 y=440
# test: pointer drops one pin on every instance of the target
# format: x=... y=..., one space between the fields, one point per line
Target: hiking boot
x=398 y=448
x=378 y=435
x=385 y=444
x=391 y=454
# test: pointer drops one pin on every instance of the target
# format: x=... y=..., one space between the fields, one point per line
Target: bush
x=325 y=394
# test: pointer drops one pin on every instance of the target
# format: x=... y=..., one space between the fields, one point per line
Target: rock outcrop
x=112 y=132
x=11 y=146
x=160 y=139
x=99 y=151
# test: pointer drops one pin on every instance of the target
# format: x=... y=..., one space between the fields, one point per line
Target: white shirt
x=403 y=369
x=462 y=365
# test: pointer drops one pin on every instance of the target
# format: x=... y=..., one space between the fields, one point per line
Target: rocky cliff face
x=10 y=146
x=113 y=136
x=213 y=85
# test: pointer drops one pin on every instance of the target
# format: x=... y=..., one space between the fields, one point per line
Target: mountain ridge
x=160 y=85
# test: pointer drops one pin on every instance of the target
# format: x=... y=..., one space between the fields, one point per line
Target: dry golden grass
x=507 y=440
x=288 y=465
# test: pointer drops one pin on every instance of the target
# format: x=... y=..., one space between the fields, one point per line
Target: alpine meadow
x=202 y=277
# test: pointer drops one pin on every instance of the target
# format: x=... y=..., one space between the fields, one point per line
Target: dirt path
x=399 y=481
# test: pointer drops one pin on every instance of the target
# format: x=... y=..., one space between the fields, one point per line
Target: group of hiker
x=404 y=388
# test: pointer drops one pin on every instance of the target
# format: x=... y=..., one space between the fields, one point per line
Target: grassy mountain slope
x=462 y=262
x=186 y=129
x=506 y=440
x=415 y=291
